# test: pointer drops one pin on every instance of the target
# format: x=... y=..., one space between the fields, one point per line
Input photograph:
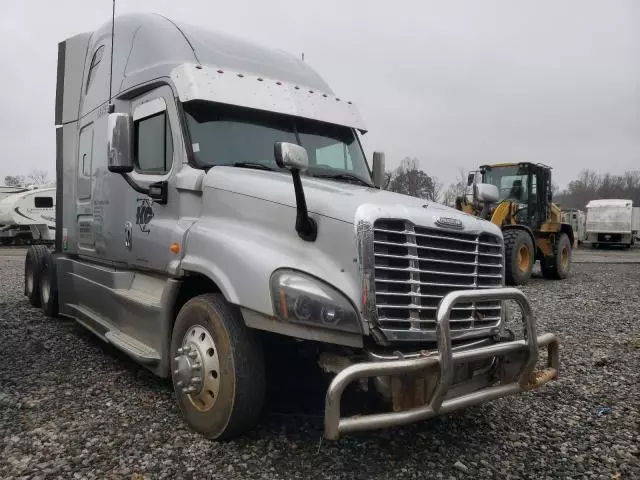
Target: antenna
x=113 y=22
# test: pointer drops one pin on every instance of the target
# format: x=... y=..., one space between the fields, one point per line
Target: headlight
x=300 y=298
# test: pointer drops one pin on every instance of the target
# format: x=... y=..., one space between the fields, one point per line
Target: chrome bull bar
x=446 y=360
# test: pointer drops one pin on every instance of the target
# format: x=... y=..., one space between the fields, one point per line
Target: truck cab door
x=84 y=207
x=158 y=151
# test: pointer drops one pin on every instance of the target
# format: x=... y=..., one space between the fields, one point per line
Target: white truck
x=610 y=222
x=635 y=224
x=577 y=219
x=215 y=190
x=28 y=216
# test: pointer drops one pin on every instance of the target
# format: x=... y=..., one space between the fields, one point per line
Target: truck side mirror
x=120 y=143
x=378 y=169
x=294 y=158
x=470 y=179
x=291 y=156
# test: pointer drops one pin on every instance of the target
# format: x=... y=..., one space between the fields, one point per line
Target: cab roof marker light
x=220 y=71
x=278 y=83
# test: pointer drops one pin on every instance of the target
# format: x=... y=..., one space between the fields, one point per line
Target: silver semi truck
x=210 y=190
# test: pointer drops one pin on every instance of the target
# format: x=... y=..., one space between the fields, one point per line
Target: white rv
x=609 y=222
x=28 y=216
x=212 y=190
x=6 y=190
x=577 y=219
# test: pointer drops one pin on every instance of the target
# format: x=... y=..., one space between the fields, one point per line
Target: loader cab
x=527 y=184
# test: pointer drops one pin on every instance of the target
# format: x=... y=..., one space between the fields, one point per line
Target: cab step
x=132 y=347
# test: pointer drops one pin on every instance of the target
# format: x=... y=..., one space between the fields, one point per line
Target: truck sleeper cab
x=216 y=189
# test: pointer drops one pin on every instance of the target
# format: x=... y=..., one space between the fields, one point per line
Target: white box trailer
x=198 y=208
x=28 y=216
x=577 y=219
x=609 y=222
x=635 y=224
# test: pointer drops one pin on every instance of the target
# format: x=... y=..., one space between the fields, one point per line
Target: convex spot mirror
x=487 y=192
x=120 y=143
x=291 y=156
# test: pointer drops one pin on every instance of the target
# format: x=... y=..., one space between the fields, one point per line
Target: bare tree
x=592 y=186
x=438 y=187
x=14 y=180
x=38 y=177
x=409 y=179
x=455 y=189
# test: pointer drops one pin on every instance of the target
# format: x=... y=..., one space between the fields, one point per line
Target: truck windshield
x=229 y=135
x=511 y=182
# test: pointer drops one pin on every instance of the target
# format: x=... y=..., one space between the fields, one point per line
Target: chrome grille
x=415 y=267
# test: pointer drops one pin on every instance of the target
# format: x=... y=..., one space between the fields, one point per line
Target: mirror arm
x=134 y=185
x=161 y=198
x=305 y=226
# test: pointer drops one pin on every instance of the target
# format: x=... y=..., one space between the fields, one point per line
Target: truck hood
x=333 y=199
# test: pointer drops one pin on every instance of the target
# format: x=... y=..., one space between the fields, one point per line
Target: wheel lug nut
x=176 y=359
x=180 y=383
x=196 y=380
x=196 y=366
x=181 y=350
x=192 y=354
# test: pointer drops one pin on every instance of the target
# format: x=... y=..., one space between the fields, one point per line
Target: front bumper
x=525 y=352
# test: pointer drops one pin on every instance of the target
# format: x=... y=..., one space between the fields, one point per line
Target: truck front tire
x=217 y=368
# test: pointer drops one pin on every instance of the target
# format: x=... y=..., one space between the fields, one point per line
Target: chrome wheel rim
x=197 y=368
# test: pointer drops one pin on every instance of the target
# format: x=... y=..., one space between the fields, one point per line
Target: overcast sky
x=453 y=83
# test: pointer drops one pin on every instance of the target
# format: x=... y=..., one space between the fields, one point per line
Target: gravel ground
x=73 y=407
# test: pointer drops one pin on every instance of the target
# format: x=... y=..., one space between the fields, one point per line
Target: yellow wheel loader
x=517 y=197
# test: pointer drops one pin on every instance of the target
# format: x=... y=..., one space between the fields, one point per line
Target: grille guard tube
x=446 y=360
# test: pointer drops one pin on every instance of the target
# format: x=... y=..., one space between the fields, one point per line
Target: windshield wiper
x=349 y=177
x=254 y=165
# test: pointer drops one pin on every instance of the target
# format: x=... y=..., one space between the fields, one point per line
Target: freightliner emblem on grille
x=448 y=222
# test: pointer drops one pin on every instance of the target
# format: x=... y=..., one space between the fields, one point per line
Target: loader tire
x=211 y=344
x=519 y=256
x=49 y=286
x=33 y=272
x=558 y=266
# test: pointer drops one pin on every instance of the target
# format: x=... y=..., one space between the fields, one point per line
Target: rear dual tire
x=49 y=286
x=40 y=285
x=33 y=273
